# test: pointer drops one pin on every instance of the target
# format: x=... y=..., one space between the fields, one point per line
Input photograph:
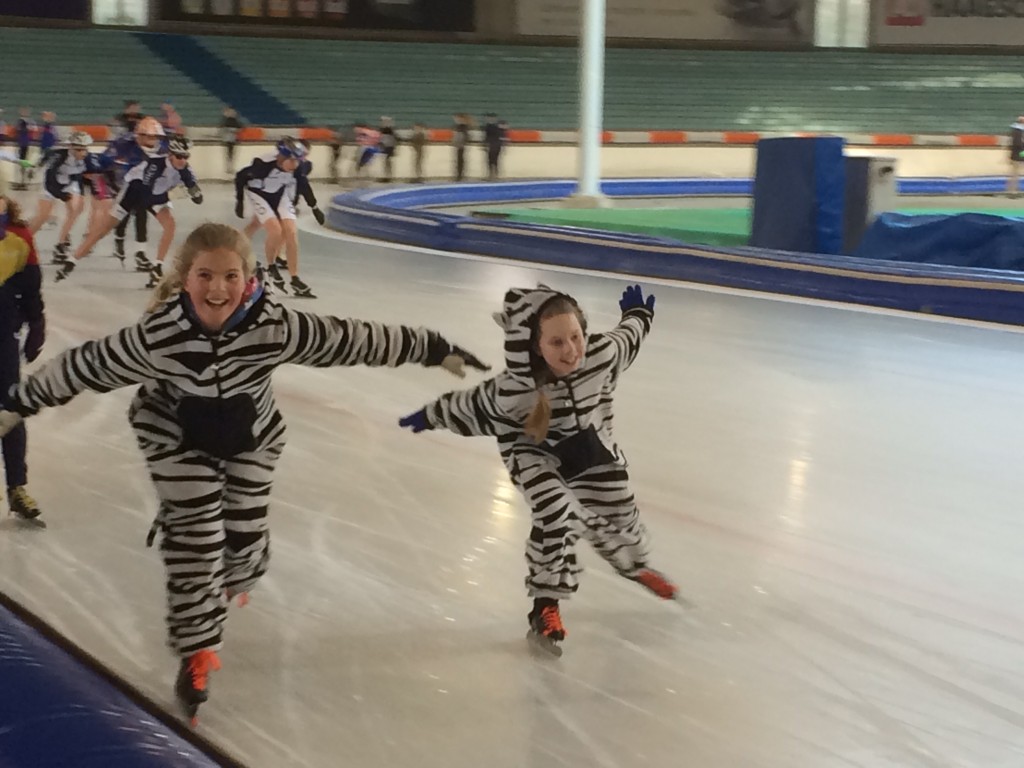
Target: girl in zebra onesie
x=551 y=411
x=206 y=420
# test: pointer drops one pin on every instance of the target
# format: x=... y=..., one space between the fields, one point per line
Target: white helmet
x=80 y=139
x=179 y=146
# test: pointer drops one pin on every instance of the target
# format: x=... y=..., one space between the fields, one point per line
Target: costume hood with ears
x=517 y=318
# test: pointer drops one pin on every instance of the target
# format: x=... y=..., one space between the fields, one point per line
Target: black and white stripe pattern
x=215 y=538
x=213 y=510
x=596 y=504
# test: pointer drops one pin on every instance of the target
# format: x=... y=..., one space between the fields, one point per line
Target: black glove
x=417 y=422
x=319 y=216
x=450 y=357
x=196 y=194
x=240 y=208
x=35 y=338
x=633 y=298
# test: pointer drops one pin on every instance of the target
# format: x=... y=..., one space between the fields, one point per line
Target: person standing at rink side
x=418 y=142
x=551 y=412
x=1016 y=157
x=388 y=146
x=230 y=125
x=460 y=140
x=206 y=420
x=495 y=135
x=48 y=137
x=23 y=131
x=21 y=304
x=270 y=184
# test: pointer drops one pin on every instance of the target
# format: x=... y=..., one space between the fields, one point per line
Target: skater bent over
x=551 y=411
x=206 y=420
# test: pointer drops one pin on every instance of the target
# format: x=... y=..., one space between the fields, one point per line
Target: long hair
x=14 y=214
x=206 y=237
x=539 y=420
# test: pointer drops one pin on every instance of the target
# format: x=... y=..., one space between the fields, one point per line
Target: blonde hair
x=206 y=237
x=539 y=419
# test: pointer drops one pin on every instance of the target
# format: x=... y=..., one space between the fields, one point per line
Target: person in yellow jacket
x=21 y=304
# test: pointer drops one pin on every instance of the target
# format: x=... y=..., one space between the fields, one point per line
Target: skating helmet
x=149 y=126
x=179 y=146
x=80 y=139
x=289 y=147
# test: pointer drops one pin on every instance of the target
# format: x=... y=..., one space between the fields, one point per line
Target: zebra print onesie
x=207 y=423
x=575 y=481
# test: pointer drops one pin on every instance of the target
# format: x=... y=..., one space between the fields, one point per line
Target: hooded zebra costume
x=207 y=423
x=575 y=479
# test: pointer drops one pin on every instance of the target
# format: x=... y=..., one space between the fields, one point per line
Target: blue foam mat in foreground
x=56 y=711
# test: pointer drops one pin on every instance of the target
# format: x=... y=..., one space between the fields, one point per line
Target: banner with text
x=948 y=22
x=728 y=20
x=426 y=15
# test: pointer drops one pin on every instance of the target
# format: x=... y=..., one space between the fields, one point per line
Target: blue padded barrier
x=54 y=711
x=979 y=240
x=950 y=291
x=798 y=194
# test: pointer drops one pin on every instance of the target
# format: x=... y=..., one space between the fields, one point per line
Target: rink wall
x=624 y=154
x=401 y=214
x=59 y=707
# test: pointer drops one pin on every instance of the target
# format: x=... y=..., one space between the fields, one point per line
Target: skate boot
x=656 y=582
x=546 y=630
x=261 y=278
x=62 y=253
x=274 y=273
x=300 y=290
x=156 y=274
x=142 y=262
x=281 y=263
x=66 y=268
x=24 y=507
x=191 y=685
x=119 y=250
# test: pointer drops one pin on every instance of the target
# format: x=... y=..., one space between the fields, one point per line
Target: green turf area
x=708 y=226
x=717 y=226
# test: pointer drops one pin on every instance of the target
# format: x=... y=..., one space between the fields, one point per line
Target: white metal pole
x=591 y=97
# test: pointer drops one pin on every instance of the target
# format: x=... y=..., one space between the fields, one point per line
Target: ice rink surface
x=837 y=491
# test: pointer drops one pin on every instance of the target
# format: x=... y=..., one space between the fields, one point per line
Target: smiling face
x=216 y=284
x=562 y=343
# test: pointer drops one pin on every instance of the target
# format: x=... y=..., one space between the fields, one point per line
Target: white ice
x=837 y=491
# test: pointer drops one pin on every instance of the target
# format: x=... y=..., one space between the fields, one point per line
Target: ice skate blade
x=682 y=602
x=30 y=522
x=543 y=645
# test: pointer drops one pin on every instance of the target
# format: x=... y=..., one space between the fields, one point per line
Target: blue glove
x=417 y=422
x=633 y=298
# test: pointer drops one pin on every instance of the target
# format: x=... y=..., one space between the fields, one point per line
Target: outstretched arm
x=622 y=344
x=495 y=407
x=323 y=341
x=101 y=365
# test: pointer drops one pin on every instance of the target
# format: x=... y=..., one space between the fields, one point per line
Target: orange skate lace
x=657 y=583
x=200 y=665
x=552 y=620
